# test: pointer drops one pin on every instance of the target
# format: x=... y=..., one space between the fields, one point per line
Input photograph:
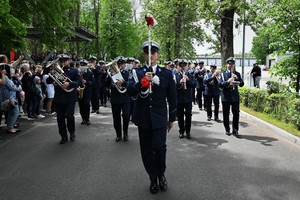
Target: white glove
x=155 y=80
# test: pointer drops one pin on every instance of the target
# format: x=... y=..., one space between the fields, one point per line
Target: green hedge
x=281 y=104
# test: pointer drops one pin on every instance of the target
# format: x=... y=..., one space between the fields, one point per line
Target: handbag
x=7 y=104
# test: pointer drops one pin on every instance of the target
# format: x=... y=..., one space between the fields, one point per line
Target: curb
x=277 y=130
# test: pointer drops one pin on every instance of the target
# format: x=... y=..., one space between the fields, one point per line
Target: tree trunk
x=168 y=49
x=178 y=27
x=78 y=24
x=298 y=77
x=227 y=35
x=97 y=13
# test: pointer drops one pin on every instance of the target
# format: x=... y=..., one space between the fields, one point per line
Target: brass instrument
x=114 y=73
x=217 y=75
x=91 y=66
x=58 y=75
x=232 y=70
x=82 y=86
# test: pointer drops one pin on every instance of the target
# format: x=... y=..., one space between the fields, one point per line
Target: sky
x=238 y=41
x=238 y=38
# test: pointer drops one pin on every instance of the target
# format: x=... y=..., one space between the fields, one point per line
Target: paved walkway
x=259 y=165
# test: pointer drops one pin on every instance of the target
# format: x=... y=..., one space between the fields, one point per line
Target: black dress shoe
x=93 y=111
x=208 y=118
x=235 y=133
x=88 y=122
x=153 y=188
x=228 y=133
x=118 y=139
x=83 y=122
x=63 y=141
x=188 y=136
x=97 y=112
x=163 y=184
x=217 y=120
x=72 y=136
x=125 y=138
x=181 y=135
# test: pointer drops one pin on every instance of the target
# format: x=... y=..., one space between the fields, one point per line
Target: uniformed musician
x=199 y=76
x=154 y=85
x=87 y=86
x=103 y=89
x=96 y=70
x=229 y=82
x=136 y=64
x=185 y=84
x=65 y=101
x=212 y=92
x=120 y=102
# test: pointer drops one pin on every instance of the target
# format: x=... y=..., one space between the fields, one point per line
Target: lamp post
x=243 y=50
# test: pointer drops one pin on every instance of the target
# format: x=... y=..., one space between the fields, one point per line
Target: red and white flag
x=150 y=20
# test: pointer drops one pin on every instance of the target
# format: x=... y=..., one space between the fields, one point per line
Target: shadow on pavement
x=201 y=123
x=266 y=141
x=209 y=142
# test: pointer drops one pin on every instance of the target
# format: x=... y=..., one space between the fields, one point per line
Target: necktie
x=150 y=69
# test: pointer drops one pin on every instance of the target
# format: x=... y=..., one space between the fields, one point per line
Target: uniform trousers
x=184 y=110
x=209 y=100
x=103 y=95
x=200 y=93
x=236 y=115
x=84 y=106
x=95 y=98
x=153 y=150
x=117 y=109
x=194 y=95
x=65 y=111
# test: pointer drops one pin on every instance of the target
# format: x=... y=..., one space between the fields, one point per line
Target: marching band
x=151 y=96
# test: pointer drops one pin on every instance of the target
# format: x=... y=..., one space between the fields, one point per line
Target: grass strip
x=272 y=120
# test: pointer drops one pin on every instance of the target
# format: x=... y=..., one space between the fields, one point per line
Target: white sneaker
x=40 y=116
x=21 y=110
x=29 y=118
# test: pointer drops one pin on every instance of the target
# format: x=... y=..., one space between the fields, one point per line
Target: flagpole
x=149 y=46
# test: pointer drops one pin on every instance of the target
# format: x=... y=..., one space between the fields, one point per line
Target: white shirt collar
x=154 y=68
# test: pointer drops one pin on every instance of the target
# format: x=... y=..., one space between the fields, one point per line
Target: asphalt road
x=259 y=165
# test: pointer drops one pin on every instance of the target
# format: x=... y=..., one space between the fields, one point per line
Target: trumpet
x=58 y=75
x=232 y=76
x=114 y=73
x=216 y=75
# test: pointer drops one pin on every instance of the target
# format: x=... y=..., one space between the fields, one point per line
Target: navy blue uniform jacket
x=62 y=96
x=228 y=93
x=90 y=79
x=184 y=96
x=152 y=112
x=97 y=75
x=211 y=85
x=199 y=76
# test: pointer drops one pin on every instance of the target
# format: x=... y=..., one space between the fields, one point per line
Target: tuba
x=114 y=73
x=58 y=75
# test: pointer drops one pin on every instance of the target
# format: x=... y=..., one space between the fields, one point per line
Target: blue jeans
x=12 y=116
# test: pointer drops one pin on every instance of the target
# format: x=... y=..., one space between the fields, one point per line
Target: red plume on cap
x=150 y=20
